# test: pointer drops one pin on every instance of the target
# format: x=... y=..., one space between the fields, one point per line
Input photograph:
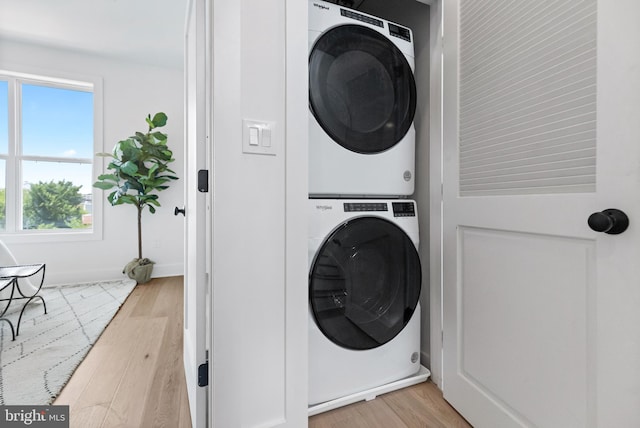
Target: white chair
x=16 y=284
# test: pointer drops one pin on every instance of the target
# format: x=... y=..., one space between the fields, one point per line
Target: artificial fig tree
x=139 y=169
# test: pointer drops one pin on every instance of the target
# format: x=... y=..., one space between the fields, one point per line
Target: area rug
x=35 y=367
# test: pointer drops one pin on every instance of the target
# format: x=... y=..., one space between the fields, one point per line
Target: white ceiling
x=147 y=31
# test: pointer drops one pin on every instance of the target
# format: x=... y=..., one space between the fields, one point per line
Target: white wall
x=259 y=265
x=131 y=91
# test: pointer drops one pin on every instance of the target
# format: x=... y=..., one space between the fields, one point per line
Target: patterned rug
x=35 y=367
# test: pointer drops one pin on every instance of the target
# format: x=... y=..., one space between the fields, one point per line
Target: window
x=47 y=145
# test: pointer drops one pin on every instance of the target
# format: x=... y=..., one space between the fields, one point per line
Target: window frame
x=14 y=157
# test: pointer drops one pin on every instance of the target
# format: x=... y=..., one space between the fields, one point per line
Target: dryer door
x=361 y=89
x=364 y=283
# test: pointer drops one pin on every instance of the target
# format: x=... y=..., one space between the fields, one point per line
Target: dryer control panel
x=360 y=17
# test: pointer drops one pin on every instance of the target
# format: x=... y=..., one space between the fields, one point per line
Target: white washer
x=362 y=101
x=364 y=288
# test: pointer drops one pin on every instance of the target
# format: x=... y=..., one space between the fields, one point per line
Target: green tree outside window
x=52 y=205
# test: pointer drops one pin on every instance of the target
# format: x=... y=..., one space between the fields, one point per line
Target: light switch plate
x=264 y=131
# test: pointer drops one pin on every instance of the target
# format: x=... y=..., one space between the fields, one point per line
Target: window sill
x=49 y=237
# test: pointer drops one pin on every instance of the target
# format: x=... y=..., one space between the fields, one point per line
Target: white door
x=541 y=129
x=196 y=225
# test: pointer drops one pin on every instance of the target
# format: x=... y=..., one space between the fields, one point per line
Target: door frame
x=297 y=186
x=435 y=192
x=196 y=283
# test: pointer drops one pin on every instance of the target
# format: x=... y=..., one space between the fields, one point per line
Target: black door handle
x=177 y=211
x=611 y=221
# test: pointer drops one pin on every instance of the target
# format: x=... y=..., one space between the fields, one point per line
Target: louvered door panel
x=527 y=97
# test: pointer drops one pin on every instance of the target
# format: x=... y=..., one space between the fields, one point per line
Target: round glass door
x=361 y=89
x=364 y=284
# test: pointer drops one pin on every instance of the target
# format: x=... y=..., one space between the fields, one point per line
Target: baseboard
x=164 y=270
x=106 y=274
x=372 y=393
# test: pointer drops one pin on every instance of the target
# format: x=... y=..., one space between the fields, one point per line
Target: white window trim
x=57 y=235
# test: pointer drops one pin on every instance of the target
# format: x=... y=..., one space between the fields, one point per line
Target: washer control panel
x=365 y=206
x=400 y=209
x=404 y=209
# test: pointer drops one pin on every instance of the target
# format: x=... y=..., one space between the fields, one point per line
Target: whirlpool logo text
x=321 y=6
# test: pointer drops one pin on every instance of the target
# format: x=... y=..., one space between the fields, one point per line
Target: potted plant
x=139 y=169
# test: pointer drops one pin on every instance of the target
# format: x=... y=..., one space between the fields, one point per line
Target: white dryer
x=362 y=101
x=364 y=287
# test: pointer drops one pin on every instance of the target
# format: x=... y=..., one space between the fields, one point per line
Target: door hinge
x=203 y=374
x=203 y=180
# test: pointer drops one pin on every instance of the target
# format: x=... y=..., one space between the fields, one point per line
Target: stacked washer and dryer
x=365 y=275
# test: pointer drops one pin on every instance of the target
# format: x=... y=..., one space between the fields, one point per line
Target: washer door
x=364 y=283
x=361 y=89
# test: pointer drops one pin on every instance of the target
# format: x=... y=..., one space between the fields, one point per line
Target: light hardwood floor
x=418 y=406
x=133 y=376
